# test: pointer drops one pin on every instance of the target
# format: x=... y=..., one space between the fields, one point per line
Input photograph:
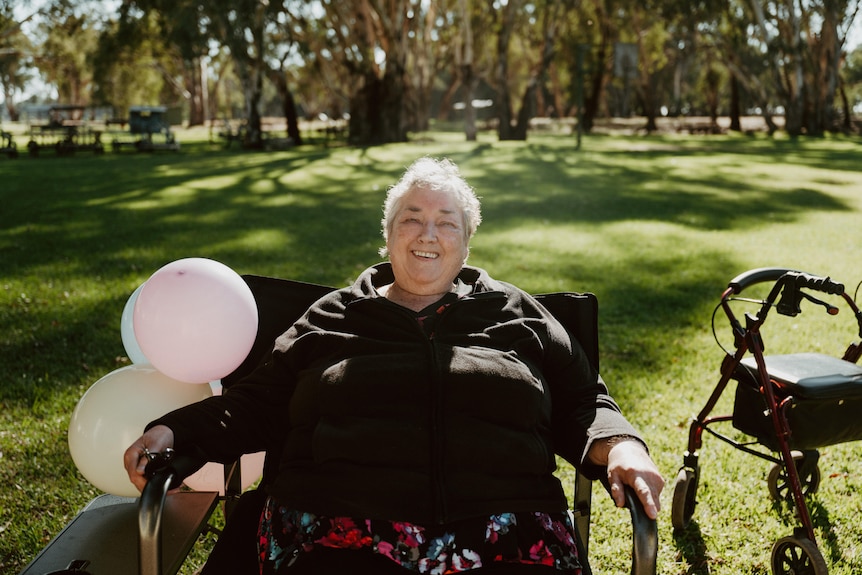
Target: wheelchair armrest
x=644 y=536
x=166 y=476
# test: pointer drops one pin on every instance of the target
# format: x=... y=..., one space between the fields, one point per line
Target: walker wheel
x=684 y=498
x=797 y=556
x=779 y=480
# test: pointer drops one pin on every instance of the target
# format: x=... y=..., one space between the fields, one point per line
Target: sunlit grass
x=656 y=226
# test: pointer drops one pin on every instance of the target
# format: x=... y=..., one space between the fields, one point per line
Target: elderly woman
x=420 y=410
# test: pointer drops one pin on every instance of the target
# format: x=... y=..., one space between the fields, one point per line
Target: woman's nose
x=429 y=233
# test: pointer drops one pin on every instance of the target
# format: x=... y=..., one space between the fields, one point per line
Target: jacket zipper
x=438 y=469
x=437 y=441
x=438 y=497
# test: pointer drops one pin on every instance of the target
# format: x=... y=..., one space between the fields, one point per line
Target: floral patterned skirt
x=514 y=538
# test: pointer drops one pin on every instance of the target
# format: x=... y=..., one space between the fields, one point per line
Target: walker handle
x=756 y=276
x=800 y=279
x=817 y=283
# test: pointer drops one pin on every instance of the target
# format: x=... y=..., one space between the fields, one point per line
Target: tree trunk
x=527 y=111
x=378 y=110
x=467 y=75
x=288 y=105
x=470 y=81
x=392 y=113
x=647 y=95
x=599 y=73
x=10 y=104
x=646 y=91
x=828 y=59
x=735 y=113
x=847 y=123
x=786 y=69
x=193 y=79
x=504 y=102
x=533 y=93
x=253 y=90
x=445 y=110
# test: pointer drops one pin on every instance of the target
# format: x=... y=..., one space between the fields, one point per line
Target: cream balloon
x=112 y=414
x=210 y=477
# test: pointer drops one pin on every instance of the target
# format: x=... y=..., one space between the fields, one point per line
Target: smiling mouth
x=429 y=255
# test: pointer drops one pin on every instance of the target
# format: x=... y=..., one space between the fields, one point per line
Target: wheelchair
x=790 y=404
x=154 y=534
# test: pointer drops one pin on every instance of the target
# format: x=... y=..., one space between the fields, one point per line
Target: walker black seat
x=812 y=375
x=820 y=395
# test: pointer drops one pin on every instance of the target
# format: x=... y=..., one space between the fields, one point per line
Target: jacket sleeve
x=251 y=415
x=582 y=409
x=243 y=420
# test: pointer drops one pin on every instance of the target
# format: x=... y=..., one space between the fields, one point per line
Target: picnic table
x=64 y=139
x=65 y=131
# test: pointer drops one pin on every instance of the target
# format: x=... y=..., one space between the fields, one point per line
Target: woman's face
x=427 y=244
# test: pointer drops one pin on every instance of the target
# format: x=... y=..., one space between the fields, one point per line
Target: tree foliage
x=388 y=64
x=15 y=57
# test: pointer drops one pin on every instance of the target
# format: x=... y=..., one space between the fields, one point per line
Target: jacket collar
x=470 y=281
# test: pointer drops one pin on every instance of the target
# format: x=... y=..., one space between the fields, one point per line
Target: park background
x=654 y=219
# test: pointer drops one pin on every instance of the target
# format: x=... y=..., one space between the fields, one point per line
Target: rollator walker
x=791 y=404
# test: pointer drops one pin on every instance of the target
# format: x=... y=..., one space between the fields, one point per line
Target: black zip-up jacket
x=377 y=420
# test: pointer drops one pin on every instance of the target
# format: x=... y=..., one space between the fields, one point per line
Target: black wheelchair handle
x=164 y=472
x=644 y=536
x=172 y=466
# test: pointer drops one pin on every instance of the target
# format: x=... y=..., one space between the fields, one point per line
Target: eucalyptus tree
x=245 y=27
x=506 y=17
x=467 y=59
x=252 y=31
x=593 y=43
x=156 y=43
x=67 y=37
x=650 y=30
x=803 y=43
x=133 y=65
x=851 y=86
x=540 y=32
x=15 y=58
x=381 y=57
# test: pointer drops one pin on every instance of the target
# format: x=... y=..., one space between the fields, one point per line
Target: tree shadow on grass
x=71 y=222
x=546 y=185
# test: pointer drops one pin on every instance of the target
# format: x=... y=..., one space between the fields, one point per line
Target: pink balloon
x=195 y=320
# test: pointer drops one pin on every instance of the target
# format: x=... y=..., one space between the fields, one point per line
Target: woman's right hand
x=135 y=459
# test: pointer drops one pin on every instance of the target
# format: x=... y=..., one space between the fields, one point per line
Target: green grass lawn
x=656 y=226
